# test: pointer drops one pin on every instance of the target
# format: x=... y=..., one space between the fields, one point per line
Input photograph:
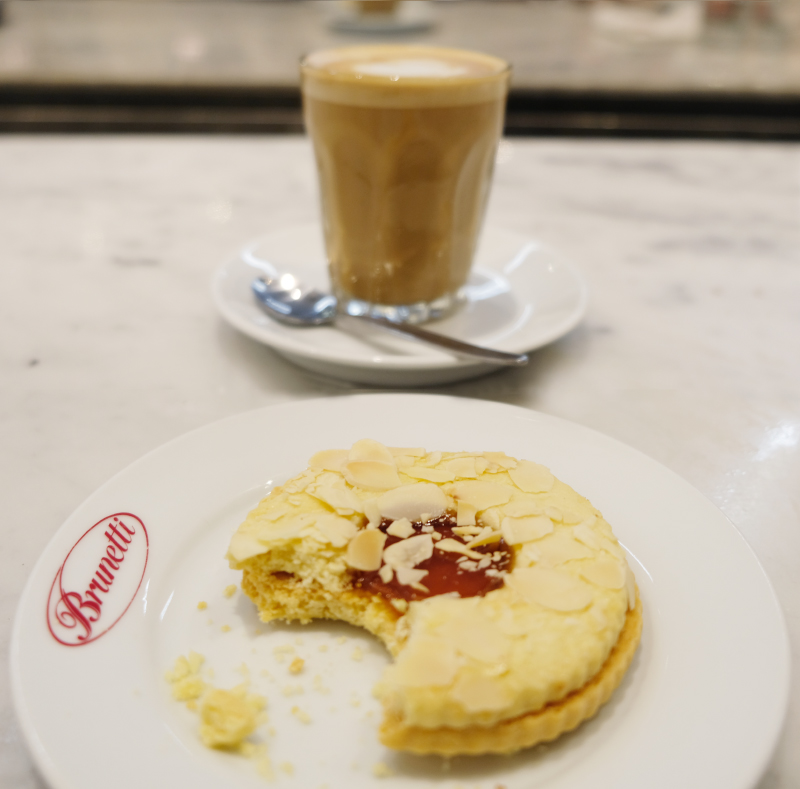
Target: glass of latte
x=404 y=139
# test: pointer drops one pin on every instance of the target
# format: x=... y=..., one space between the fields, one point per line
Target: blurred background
x=678 y=68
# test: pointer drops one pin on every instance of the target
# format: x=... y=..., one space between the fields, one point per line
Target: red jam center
x=447 y=571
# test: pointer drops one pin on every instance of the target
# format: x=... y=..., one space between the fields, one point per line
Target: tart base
x=283 y=596
x=527 y=730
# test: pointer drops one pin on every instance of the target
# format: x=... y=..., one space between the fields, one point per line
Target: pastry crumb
x=287 y=767
x=341 y=640
x=226 y=628
x=230 y=590
x=323 y=647
x=381 y=770
x=301 y=715
x=202 y=605
x=296 y=666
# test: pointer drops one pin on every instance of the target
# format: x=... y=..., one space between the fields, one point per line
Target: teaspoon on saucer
x=284 y=298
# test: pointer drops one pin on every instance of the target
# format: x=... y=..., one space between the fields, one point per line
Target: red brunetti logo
x=98 y=580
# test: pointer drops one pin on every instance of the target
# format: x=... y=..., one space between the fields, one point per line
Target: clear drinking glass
x=405 y=140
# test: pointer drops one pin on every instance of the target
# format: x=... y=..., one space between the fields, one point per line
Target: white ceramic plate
x=521 y=296
x=701 y=706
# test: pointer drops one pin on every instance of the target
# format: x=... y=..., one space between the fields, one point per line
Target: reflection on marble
x=110 y=345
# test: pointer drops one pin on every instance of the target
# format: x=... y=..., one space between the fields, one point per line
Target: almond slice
x=583 y=533
x=462 y=467
x=481 y=494
x=371 y=474
x=329 y=459
x=500 y=459
x=552 y=589
x=410 y=552
x=401 y=528
x=425 y=661
x=520 y=507
x=454 y=546
x=337 y=498
x=365 y=549
x=337 y=531
x=465 y=514
x=411 y=576
x=476 y=637
x=520 y=530
x=485 y=539
x=412 y=501
x=373 y=513
x=386 y=574
x=429 y=474
x=367 y=449
x=561 y=547
x=478 y=693
x=608 y=573
x=532 y=477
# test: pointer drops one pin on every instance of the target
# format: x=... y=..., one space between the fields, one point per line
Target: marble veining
x=110 y=344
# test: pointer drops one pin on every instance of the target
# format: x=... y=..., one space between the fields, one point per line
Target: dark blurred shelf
x=180 y=109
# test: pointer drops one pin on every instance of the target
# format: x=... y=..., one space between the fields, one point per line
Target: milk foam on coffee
x=404 y=138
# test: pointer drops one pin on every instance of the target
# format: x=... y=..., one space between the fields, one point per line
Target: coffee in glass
x=405 y=140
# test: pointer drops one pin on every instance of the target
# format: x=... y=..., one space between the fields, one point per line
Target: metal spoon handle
x=488 y=355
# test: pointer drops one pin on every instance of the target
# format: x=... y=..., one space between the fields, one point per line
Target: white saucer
x=700 y=708
x=520 y=297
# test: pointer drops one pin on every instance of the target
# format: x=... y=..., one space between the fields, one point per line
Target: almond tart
x=502 y=594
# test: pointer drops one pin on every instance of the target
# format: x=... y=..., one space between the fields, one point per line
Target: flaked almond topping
x=338 y=498
x=467 y=531
x=412 y=501
x=426 y=661
x=476 y=637
x=552 y=589
x=365 y=549
x=519 y=508
x=486 y=538
x=429 y=474
x=570 y=518
x=367 y=449
x=373 y=513
x=481 y=494
x=432 y=459
x=329 y=459
x=492 y=518
x=386 y=574
x=465 y=514
x=560 y=547
x=481 y=464
x=462 y=468
x=337 y=531
x=532 y=477
x=371 y=474
x=500 y=459
x=449 y=544
x=608 y=573
x=481 y=694
x=630 y=587
x=554 y=513
x=409 y=552
x=401 y=528
x=417 y=452
x=583 y=533
x=411 y=576
x=525 y=529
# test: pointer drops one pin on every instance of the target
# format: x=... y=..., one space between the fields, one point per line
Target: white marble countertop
x=110 y=346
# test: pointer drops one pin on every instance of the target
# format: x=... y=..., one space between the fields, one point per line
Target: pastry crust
x=533 y=728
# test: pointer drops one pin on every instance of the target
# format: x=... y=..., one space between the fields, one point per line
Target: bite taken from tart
x=502 y=594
